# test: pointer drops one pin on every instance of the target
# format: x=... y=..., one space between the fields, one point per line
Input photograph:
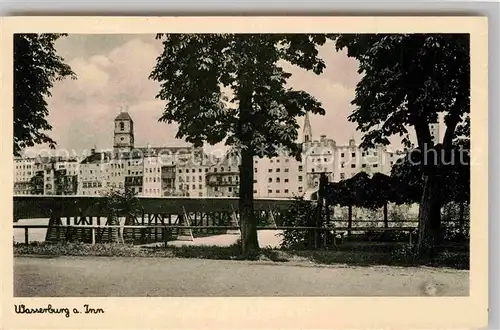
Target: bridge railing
x=335 y=231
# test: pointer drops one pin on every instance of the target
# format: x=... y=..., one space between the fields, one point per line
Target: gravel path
x=164 y=277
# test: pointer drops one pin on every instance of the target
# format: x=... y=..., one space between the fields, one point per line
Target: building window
x=255 y=170
x=200 y=186
x=325 y=159
x=342 y=176
x=206 y=170
x=187 y=179
x=353 y=154
x=286 y=160
x=193 y=170
x=200 y=178
x=269 y=191
x=200 y=170
x=122 y=126
x=270 y=180
x=342 y=164
x=254 y=181
x=353 y=165
x=222 y=169
x=312 y=170
x=255 y=191
x=230 y=189
x=271 y=161
x=300 y=189
x=286 y=191
x=194 y=187
x=278 y=191
x=375 y=165
x=200 y=194
x=300 y=178
x=286 y=180
x=278 y=180
x=286 y=170
x=363 y=165
x=374 y=153
x=270 y=170
x=278 y=170
x=300 y=168
x=342 y=155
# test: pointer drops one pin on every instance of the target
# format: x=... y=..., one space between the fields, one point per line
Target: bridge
x=70 y=216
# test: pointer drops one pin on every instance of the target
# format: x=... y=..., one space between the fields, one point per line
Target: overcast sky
x=113 y=70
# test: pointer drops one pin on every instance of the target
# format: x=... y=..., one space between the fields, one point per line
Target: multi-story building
x=278 y=177
x=223 y=178
x=284 y=176
x=93 y=174
x=187 y=171
x=24 y=170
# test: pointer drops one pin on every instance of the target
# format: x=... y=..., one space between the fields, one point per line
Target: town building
x=286 y=177
x=24 y=170
x=188 y=171
x=94 y=172
x=223 y=178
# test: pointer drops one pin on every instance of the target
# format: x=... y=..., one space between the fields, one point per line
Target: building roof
x=123 y=116
x=96 y=158
x=158 y=151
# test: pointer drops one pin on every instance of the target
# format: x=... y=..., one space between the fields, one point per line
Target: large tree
x=408 y=80
x=232 y=88
x=36 y=67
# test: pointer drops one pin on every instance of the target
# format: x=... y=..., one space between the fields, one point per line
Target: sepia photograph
x=278 y=164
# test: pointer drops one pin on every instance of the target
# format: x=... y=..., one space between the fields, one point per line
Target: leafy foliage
x=361 y=190
x=232 y=88
x=454 y=173
x=297 y=215
x=121 y=203
x=204 y=79
x=36 y=67
x=408 y=79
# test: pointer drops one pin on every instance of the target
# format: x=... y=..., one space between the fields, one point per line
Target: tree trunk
x=249 y=241
x=429 y=218
x=349 y=221
x=461 y=222
x=386 y=220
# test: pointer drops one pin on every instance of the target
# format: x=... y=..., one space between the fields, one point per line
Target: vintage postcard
x=244 y=172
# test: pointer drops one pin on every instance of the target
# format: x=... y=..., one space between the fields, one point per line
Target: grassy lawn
x=349 y=254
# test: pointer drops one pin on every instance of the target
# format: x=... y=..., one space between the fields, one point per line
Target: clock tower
x=123 y=139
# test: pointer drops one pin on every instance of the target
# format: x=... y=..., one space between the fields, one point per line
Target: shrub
x=299 y=214
x=403 y=254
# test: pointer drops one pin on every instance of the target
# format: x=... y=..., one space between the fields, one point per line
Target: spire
x=307 y=129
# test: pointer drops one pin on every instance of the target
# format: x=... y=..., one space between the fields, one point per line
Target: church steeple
x=307 y=129
x=123 y=133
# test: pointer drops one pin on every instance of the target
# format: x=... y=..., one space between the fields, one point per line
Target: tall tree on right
x=408 y=80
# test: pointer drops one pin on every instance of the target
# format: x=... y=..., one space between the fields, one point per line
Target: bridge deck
x=32 y=207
